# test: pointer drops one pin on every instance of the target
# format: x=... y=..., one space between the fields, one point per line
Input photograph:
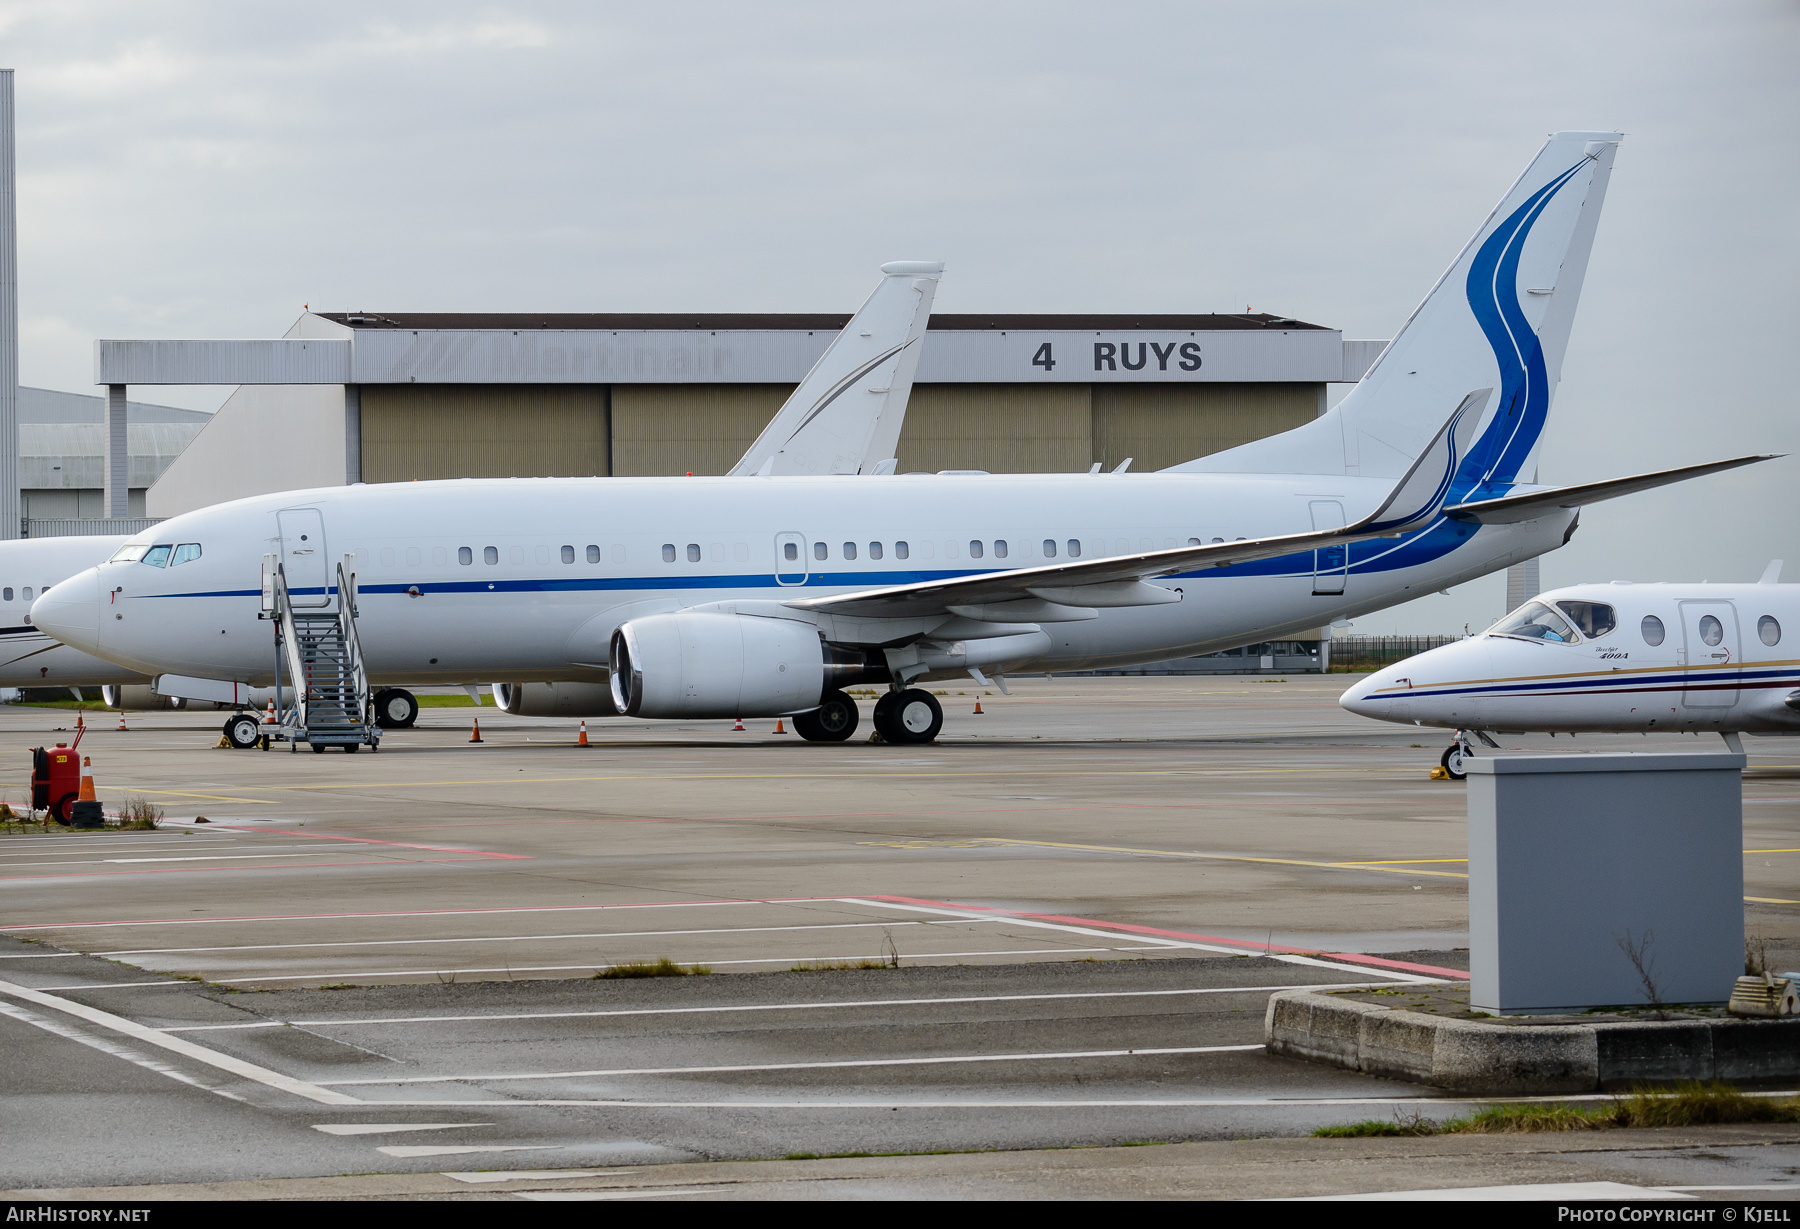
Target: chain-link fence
x=1361 y=654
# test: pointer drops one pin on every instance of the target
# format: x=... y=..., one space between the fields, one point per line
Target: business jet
x=720 y=597
x=1614 y=658
x=819 y=429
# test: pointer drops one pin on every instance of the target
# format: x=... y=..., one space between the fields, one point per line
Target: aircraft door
x=1709 y=642
x=303 y=556
x=1332 y=563
x=790 y=559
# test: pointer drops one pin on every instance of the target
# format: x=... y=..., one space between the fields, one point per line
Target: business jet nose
x=70 y=611
x=1366 y=699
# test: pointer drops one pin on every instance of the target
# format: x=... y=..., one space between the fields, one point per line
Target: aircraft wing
x=845 y=416
x=1510 y=509
x=1073 y=590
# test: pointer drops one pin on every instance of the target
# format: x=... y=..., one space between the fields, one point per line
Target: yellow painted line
x=1772 y=851
x=182 y=793
x=1401 y=862
x=1220 y=857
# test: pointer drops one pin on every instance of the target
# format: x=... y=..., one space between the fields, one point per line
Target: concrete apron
x=1469 y=1056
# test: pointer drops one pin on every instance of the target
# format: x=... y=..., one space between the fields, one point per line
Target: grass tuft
x=139 y=812
x=834 y=966
x=660 y=967
x=1689 y=1104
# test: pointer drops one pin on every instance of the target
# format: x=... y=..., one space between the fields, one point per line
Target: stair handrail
x=290 y=639
x=346 y=579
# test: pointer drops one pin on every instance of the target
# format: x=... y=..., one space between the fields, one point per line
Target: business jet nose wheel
x=1456 y=760
x=395 y=709
x=243 y=730
x=911 y=716
x=832 y=722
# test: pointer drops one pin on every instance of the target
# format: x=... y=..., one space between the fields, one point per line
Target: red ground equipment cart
x=56 y=779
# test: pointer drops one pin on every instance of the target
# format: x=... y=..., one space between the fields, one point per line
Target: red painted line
x=317 y=917
x=363 y=840
x=1129 y=928
x=207 y=870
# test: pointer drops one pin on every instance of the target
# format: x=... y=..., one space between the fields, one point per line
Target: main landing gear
x=832 y=722
x=910 y=716
x=243 y=730
x=395 y=709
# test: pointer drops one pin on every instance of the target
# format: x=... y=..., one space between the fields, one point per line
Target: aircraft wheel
x=911 y=716
x=242 y=731
x=832 y=722
x=395 y=709
x=1455 y=761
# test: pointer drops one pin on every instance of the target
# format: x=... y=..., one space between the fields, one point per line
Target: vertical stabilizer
x=845 y=417
x=1499 y=318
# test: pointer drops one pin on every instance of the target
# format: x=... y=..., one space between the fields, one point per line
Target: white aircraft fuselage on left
x=701 y=597
x=1619 y=658
x=28 y=656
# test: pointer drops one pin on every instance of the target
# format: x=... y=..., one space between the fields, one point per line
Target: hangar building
x=387 y=397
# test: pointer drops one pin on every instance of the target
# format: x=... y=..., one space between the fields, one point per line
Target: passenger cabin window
x=187 y=552
x=790 y=551
x=819 y=550
x=157 y=556
x=693 y=552
x=1592 y=619
x=27 y=594
x=1049 y=548
x=1652 y=630
x=668 y=552
x=593 y=554
x=129 y=553
x=902 y=551
x=1768 y=630
x=975 y=549
x=1711 y=630
x=874 y=550
x=568 y=554
x=490 y=555
x=1535 y=621
x=1000 y=548
x=1074 y=548
x=849 y=550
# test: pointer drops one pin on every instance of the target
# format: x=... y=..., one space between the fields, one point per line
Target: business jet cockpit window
x=187 y=552
x=131 y=552
x=1591 y=619
x=157 y=556
x=1535 y=621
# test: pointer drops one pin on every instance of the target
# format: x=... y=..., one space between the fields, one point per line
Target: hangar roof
x=778 y=321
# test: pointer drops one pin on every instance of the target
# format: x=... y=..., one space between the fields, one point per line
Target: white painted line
x=1161 y=940
x=829 y=1065
x=187 y=1049
x=39 y=955
x=660 y=1192
x=120 y=985
x=1556 y=1191
x=107 y=1047
x=1764 y=1186
x=386 y=1128
x=452 y=1150
x=847 y=1003
x=533 y=1175
x=598 y=934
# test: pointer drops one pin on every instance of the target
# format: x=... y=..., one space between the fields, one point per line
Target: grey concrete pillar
x=1521 y=585
x=116 y=500
x=353 y=433
x=9 y=319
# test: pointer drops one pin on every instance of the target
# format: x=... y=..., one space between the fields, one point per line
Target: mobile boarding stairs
x=322 y=693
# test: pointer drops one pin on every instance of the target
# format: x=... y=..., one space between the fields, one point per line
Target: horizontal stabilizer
x=1511 y=509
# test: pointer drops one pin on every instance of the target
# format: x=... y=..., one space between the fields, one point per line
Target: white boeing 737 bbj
x=723 y=597
x=1609 y=658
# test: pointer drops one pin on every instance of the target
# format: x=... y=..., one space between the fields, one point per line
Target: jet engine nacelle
x=555 y=699
x=694 y=664
x=138 y=697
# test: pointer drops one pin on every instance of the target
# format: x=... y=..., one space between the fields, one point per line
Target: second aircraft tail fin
x=845 y=416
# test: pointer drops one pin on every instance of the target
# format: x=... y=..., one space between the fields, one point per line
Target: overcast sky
x=203 y=170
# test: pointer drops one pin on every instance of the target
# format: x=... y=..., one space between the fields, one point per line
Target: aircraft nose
x=70 y=611
x=1365 y=700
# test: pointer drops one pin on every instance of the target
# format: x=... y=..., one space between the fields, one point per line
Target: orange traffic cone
x=79 y=723
x=738 y=728
x=87 y=780
x=583 y=741
x=475 y=734
x=122 y=719
x=269 y=718
x=978 y=711
x=779 y=728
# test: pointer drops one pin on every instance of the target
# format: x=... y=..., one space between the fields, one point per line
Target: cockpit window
x=1535 y=621
x=157 y=556
x=131 y=552
x=187 y=552
x=1592 y=619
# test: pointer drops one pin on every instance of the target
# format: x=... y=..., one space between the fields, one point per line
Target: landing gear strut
x=1458 y=754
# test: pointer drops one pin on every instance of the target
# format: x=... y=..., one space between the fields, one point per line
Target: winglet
x=846 y=414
